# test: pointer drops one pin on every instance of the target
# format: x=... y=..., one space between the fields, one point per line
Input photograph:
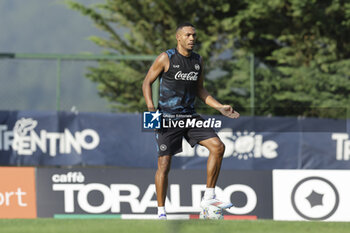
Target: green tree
x=149 y=28
x=301 y=49
x=303 y=54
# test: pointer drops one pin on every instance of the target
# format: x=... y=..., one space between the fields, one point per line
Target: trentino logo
x=25 y=140
x=343 y=145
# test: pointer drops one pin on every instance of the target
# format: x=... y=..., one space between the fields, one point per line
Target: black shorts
x=169 y=140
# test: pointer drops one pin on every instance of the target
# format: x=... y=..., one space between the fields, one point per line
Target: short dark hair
x=182 y=25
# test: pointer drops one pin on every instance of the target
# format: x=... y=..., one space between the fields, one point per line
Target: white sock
x=209 y=193
x=161 y=210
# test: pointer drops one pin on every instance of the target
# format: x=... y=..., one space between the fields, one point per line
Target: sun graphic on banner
x=244 y=144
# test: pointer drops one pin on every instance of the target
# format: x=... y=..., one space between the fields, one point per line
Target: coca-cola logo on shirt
x=191 y=76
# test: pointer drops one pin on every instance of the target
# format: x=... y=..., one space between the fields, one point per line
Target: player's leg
x=161 y=182
x=216 y=152
x=209 y=139
x=169 y=143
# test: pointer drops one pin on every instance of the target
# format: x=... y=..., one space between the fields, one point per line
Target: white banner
x=311 y=195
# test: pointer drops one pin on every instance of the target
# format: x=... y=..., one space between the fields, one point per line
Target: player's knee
x=218 y=147
x=221 y=149
x=163 y=167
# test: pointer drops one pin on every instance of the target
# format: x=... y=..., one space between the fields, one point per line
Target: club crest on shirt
x=197 y=67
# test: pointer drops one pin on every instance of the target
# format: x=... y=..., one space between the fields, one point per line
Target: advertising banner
x=264 y=143
x=17 y=192
x=112 y=192
x=311 y=195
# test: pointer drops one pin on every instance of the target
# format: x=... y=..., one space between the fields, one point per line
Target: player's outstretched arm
x=161 y=64
x=204 y=95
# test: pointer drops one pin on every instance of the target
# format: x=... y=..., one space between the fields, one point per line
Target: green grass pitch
x=171 y=226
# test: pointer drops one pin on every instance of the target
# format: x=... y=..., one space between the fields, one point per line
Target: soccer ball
x=211 y=212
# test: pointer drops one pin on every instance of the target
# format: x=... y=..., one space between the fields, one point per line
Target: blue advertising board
x=29 y=138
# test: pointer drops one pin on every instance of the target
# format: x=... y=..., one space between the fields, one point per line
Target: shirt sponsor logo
x=191 y=76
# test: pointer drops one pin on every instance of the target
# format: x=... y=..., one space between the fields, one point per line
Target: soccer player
x=181 y=80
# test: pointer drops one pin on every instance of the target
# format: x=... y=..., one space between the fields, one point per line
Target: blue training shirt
x=178 y=86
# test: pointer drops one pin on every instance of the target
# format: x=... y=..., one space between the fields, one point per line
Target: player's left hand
x=228 y=111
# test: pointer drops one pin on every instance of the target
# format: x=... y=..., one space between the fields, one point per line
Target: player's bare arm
x=204 y=95
x=161 y=64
